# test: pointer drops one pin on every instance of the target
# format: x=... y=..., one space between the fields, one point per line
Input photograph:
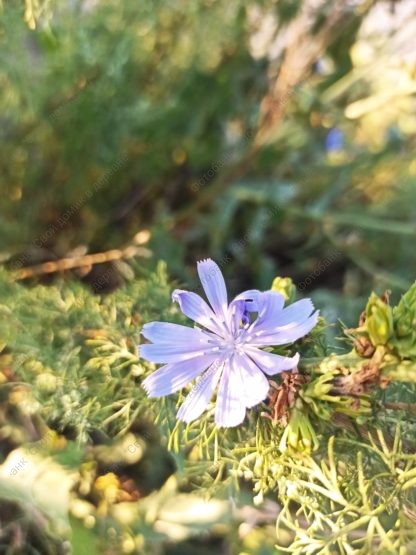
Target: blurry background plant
x=276 y=137
x=271 y=136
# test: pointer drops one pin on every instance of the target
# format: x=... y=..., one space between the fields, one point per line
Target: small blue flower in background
x=224 y=348
x=334 y=140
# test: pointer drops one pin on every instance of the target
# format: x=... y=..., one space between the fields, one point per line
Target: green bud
x=379 y=320
x=284 y=286
x=404 y=316
x=299 y=435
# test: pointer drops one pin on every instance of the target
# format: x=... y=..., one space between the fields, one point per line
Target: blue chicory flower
x=334 y=140
x=225 y=348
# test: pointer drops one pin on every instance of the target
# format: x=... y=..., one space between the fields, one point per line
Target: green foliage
x=379 y=320
x=357 y=499
x=99 y=106
x=80 y=351
x=327 y=444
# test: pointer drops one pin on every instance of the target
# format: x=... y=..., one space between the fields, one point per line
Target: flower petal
x=270 y=363
x=164 y=352
x=230 y=408
x=277 y=326
x=295 y=313
x=251 y=298
x=214 y=286
x=199 y=397
x=285 y=335
x=270 y=305
x=172 y=377
x=254 y=383
x=165 y=332
x=193 y=306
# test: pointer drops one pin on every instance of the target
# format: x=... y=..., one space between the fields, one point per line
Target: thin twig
x=65 y=264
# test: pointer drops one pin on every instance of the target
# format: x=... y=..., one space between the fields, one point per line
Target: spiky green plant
x=333 y=445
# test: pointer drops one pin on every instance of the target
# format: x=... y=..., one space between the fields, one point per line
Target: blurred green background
x=270 y=136
x=276 y=137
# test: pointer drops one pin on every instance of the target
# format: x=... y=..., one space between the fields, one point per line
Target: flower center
x=232 y=343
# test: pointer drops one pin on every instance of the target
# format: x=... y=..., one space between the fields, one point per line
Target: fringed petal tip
x=150 y=393
x=176 y=295
x=146 y=385
x=146 y=388
x=206 y=260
